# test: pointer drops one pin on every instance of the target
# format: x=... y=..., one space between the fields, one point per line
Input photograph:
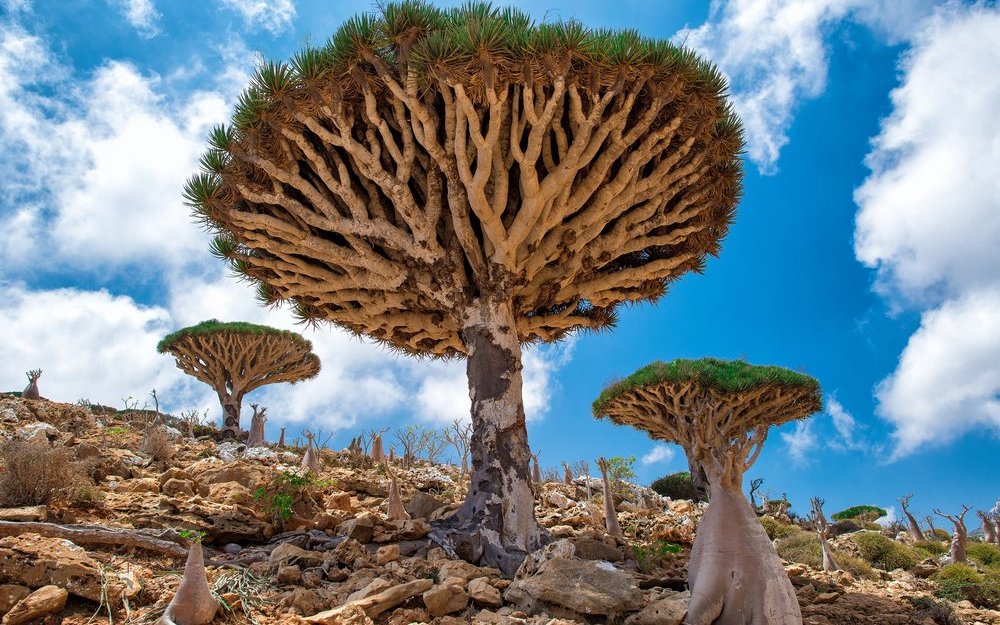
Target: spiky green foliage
x=213 y=326
x=863 y=512
x=728 y=376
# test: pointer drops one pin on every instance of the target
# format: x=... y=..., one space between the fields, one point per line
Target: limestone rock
x=361 y=528
x=483 y=593
x=386 y=554
x=422 y=505
x=34 y=561
x=174 y=487
x=572 y=587
x=10 y=594
x=24 y=513
x=44 y=601
x=667 y=611
x=445 y=599
x=372 y=606
x=287 y=553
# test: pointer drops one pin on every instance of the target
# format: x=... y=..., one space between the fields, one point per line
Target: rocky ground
x=288 y=548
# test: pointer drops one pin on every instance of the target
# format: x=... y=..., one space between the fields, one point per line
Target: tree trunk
x=735 y=575
x=829 y=564
x=915 y=532
x=610 y=514
x=231 y=415
x=699 y=480
x=957 y=553
x=497 y=521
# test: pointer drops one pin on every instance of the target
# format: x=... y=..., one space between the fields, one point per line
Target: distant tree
x=913 y=527
x=676 y=486
x=863 y=514
x=256 y=437
x=819 y=524
x=409 y=439
x=459 y=436
x=610 y=514
x=720 y=412
x=236 y=358
x=755 y=485
x=31 y=391
x=958 y=539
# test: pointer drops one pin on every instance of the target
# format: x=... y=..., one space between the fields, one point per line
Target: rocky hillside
x=119 y=499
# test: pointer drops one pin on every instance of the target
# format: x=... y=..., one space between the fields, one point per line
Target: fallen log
x=97 y=535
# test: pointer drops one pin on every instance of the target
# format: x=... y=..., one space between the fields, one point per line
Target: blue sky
x=864 y=251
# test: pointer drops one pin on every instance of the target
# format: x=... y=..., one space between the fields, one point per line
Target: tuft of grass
x=731 y=376
x=776 y=529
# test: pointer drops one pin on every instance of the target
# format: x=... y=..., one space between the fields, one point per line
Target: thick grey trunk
x=957 y=552
x=499 y=508
x=735 y=575
x=699 y=480
x=31 y=391
x=989 y=529
x=281 y=437
x=915 y=532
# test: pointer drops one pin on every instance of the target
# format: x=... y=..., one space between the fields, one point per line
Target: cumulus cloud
x=94 y=170
x=775 y=55
x=801 y=442
x=141 y=14
x=273 y=16
x=659 y=453
x=929 y=222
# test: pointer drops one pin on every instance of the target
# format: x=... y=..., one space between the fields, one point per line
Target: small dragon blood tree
x=719 y=412
x=458 y=183
x=236 y=358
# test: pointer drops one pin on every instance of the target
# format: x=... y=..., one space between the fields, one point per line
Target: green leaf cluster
x=214 y=326
x=861 y=513
x=728 y=376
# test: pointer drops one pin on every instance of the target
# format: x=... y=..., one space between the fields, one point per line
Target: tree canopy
x=727 y=376
x=424 y=159
x=214 y=326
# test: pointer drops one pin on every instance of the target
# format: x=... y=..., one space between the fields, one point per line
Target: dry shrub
x=36 y=474
x=156 y=443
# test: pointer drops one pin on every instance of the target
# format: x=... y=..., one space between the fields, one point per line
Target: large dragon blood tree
x=237 y=357
x=719 y=412
x=458 y=183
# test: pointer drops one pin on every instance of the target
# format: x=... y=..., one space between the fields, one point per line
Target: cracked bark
x=496 y=524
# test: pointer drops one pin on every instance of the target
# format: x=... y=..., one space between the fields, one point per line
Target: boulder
x=37 y=432
x=44 y=601
x=287 y=553
x=445 y=599
x=34 y=561
x=174 y=487
x=141 y=485
x=361 y=528
x=569 y=587
x=339 y=501
x=10 y=594
x=483 y=593
x=422 y=505
x=373 y=605
x=24 y=513
x=667 y=611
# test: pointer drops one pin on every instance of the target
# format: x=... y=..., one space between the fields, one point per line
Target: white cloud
x=94 y=169
x=889 y=518
x=274 y=16
x=89 y=344
x=141 y=14
x=929 y=221
x=845 y=425
x=947 y=381
x=659 y=453
x=801 y=442
x=775 y=56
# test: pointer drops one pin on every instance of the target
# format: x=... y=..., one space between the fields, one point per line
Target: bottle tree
x=236 y=358
x=719 y=412
x=458 y=183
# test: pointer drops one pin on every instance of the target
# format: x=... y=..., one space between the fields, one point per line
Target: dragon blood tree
x=458 y=183
x=719 y=412
x=236 y=358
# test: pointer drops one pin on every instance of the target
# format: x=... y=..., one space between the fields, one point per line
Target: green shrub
x=956 y=582
x=941 y=534
x=854 y=565
x=801 y=547
x=776 y=529
x=984 y=553
x=885 y=553
x=277 y=498
x=675 y=486
x=930 y=548
x=649 y=557
x=860 y=513
x=959 y=573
